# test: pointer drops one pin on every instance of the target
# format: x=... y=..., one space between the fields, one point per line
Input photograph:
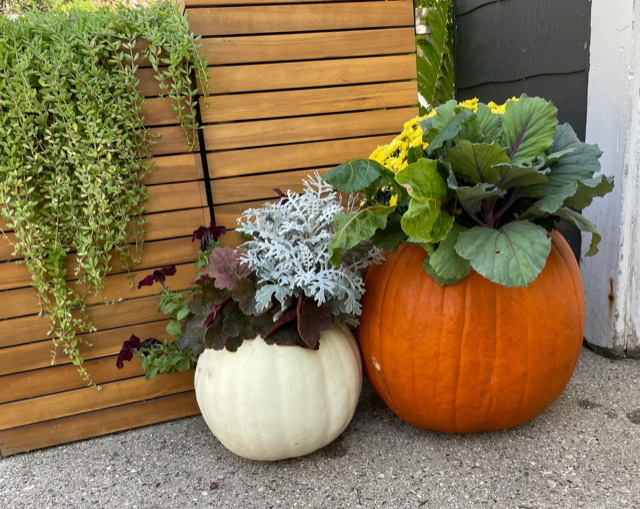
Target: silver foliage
x=289 y=255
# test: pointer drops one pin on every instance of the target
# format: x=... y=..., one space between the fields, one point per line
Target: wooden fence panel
x=296 y=86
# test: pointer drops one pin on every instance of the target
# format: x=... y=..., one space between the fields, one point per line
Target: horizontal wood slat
x=52 y=379
x=185 y=195
x=55 y=406
x=257 y=187
x=162 y=225
x=178 y=168
x=231 y=163
x=102 y=422
x=309 y=46
x=304 y=129
x=318 y=73
x=24 y=301
x=299 y=17
x=170 y=140
x=154 y=254
x=314 y=101
x=34 y=356
x=207 y=3
x=29 y=329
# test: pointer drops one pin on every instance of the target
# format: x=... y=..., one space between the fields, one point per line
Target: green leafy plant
x=280 y=285
x=480 y=191
x=435 y=58
x=73 y=144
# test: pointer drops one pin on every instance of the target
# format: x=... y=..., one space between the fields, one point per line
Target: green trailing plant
x=480 y=191
x=73 y=144
x=435 y=58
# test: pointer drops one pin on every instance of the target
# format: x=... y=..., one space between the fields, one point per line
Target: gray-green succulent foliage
x=482 y=195
x=288 y=252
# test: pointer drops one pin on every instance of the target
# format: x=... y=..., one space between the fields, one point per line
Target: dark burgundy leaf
x=236 y=324
x=245 y=295
x=283 y=197
x=215 y=337
x=284 y=319
x=285 y=336
x=215 y=307
x=313 y=319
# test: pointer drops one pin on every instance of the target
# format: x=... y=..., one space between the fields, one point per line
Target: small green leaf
x=182 y=314
x=474 y=162
x=513 y=255
x=590 y=189
x=389 y=238
x=354 y=175
x=356 y=227
x=528 y=126
x=447 y=264
x=174 y=328
x=471 y=198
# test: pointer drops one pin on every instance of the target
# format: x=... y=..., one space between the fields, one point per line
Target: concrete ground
x=582 y=452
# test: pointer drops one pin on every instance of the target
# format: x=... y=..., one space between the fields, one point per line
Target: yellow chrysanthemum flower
x=394 y=155
x=393 y=201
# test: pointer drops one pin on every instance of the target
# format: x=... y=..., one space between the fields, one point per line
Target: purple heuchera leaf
x=206 y=233
x=129 y=347
x=215 y=307
x=226 y=267
x=159 y=275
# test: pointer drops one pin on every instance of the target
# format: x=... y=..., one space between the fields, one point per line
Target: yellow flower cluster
x=394 y=155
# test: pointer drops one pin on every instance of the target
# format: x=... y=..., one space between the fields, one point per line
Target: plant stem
x=514 y=196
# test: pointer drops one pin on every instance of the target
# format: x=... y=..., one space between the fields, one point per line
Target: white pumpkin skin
x=269 y=402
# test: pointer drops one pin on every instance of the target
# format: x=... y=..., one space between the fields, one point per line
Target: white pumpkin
x=269 y=402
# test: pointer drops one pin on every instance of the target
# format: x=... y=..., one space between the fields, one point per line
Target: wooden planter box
x=298 y=88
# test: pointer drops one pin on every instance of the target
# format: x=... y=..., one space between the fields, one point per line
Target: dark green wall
x=538 y=47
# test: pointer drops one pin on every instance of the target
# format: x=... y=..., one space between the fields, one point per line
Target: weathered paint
x=611 y=286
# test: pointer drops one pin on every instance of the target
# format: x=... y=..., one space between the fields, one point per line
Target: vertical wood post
x=613 y=121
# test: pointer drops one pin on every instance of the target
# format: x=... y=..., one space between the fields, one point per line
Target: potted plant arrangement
x=475 y=320
x=278 y=372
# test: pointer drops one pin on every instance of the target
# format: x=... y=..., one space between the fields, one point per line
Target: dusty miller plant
x=289 y=255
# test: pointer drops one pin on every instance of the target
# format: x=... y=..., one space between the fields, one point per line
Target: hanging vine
x=73 y=144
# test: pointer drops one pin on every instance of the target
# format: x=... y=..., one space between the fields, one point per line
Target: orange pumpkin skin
x=474 y=356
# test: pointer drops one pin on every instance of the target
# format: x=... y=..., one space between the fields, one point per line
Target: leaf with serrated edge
x=354 y=175
x=551 y=202
x=313 y=319
x=584 y=225
x=590 y=189
x=513 y=255
x=474 y=162
x=528 y=126
x=355 y=227
x=446 y=262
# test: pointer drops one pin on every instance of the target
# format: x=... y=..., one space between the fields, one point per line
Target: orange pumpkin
x=474 y=356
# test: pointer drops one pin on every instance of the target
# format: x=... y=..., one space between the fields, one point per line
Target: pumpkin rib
x=459 y=363
x=490 y=393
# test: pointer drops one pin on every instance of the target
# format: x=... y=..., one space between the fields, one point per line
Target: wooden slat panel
x=207 y=3
x=233 y=239
x=228 y=214
x=155 y=254
x=50 y=380
x=260 y=160
x=304 y=129
x=98 y=423
x=29 y=329
x=257 y=187
x=162 y=225
x=179 y=168
x=317 y=73
x=185 y=195
x=293 y=103
x=55 y=406
x=24 y=301
x=158 y=111
x=172 y=140
x=34 y=356
x=299 y=18
x=310 y=46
